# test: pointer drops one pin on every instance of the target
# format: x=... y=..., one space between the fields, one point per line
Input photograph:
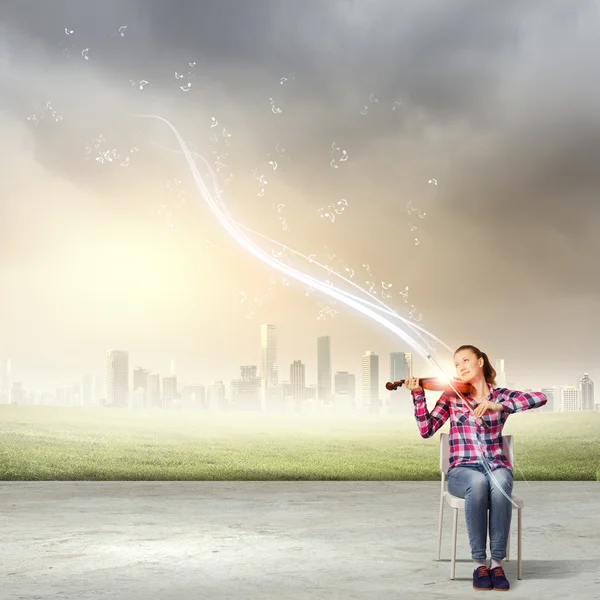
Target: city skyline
x=120 y=387
x=321 y=140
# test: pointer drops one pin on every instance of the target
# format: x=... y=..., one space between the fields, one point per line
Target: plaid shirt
x=468 y=439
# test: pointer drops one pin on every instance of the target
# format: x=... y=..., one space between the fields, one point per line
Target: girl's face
x=468 y=366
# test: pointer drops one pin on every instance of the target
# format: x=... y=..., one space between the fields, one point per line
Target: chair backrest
x=507 y=448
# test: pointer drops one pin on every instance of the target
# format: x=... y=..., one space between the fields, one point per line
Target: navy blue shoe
x=499 y=580
x=481 y=578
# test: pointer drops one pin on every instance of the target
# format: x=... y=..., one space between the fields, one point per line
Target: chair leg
x=519 y=545
x=454 y=535
x=440 y=527
x=508 y=546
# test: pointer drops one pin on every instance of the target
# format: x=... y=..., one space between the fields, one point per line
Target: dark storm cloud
x=508 y=86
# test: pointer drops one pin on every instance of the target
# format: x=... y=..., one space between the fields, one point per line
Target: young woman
x=470 y=445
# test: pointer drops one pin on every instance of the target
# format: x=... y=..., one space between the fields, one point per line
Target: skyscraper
x=370 y=382
x=298 y=381
x=345 y=391
x=117 y=378
x=153 y=397
x=586 y=387
x=140 y=384
x=400 y=365
x=400 y=368
x=169 y=392
x=324 y=368
x=268 y=355
x=345 y=384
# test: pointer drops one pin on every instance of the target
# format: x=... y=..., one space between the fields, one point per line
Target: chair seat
x=456 y=502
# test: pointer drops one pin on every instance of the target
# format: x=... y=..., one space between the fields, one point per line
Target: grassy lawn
x=62 y=443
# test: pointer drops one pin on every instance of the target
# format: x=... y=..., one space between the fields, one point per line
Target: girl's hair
x=489 y=372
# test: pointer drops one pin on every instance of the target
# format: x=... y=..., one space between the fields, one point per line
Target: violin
x=436 y=384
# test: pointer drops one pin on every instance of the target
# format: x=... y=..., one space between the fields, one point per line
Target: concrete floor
x=278 y=540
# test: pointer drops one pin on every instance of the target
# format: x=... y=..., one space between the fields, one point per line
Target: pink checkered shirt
x=467 y=435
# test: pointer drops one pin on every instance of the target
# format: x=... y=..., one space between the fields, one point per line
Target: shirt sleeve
x=429 y=422
x=514 y=401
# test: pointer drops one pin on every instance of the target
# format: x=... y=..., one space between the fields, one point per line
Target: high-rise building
x=169 y=394
x=400 y=365
x=400 y=368
x=586 y=388
x=500 y=373
x=153 y=397
x=344 y=391
x=324 y=368
x=298 y=381
x=268 y=354
x=117 y=378
x=569 y=398
x=370 y=382
x=345 y=383
x=140 y=386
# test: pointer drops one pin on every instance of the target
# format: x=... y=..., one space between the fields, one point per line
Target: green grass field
x=60 y=443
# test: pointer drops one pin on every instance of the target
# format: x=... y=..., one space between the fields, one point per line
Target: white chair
x=459 y=503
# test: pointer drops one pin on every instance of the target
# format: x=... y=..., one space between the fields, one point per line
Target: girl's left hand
x=487 y=406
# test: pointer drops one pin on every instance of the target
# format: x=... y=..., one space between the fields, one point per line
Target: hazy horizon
x=484 y=117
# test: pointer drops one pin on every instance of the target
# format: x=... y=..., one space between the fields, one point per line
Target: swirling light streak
x=385 y=310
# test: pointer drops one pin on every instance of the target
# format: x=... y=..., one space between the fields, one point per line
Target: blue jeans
x=473 y=483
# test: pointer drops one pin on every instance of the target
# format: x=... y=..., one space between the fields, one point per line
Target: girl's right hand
x=412 y=384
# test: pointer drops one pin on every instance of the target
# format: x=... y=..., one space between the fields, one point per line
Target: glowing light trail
x=386 y=309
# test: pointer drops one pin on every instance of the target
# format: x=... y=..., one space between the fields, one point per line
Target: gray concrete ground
x=278 y=540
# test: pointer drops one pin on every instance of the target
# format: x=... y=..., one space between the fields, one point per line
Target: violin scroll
x=392 y=386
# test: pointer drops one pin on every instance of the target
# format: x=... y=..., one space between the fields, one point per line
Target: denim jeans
x=473 y=483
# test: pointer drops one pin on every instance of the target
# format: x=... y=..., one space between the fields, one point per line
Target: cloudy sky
x=499 y=103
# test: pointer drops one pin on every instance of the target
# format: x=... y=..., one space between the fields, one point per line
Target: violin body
x=437 y=384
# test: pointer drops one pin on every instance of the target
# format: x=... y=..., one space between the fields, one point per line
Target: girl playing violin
x=467 y=477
